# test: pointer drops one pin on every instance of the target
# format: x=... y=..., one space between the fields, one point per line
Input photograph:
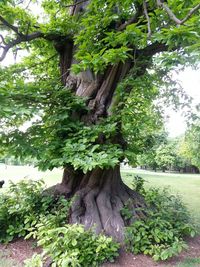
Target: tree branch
x=10 y=26
x=191 y=12
x=20 y=39
x=77 y=3
x=28 y=4
x=152 y=49
x=173 y=16
x=134 y=19
x=148 y=19
x=2 y=40
x=169 y=12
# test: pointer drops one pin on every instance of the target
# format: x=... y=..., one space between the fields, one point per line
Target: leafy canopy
x=155 y=36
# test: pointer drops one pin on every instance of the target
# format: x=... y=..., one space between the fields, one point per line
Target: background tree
x=190 y=144
x=171 y=154
x=147 y=159
x=87 y=59
x=166 y=157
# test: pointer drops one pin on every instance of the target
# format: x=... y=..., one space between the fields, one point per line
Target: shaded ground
x=130 y=260
x=20 y=250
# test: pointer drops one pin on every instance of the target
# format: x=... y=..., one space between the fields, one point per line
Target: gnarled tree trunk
x=100 y=194
x=99 y=197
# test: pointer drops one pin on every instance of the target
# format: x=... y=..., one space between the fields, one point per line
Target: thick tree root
x=99 y=198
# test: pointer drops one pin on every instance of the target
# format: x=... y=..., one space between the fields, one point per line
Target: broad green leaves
x=71 y=245
x=105 y=33
x=161 y=233
x=57 y=138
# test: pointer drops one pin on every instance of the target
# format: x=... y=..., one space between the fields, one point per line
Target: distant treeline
x=167 y=154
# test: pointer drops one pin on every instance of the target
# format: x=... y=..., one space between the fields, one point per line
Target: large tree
x=94 y=68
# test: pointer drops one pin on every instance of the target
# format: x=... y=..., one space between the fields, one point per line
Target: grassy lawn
x=186 y=185
x=190 y=262
x=15 y=173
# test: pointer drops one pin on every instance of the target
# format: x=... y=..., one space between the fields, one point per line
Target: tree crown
x=150 y=37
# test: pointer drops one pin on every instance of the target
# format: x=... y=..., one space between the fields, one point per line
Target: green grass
x=189 y=262
x=15 y=173
x=186 y=185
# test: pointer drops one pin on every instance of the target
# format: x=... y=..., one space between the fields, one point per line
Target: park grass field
x=186 y=185
x=190 y=262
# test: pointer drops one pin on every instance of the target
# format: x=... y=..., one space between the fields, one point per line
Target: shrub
x=35 y=261
x=23 y=205
x=25 y=211
x=71 y=245
x=160 y=234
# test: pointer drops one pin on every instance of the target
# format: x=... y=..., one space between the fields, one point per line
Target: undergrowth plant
x=23 y=205
x=25 y=211
x=73 y=246
x=161 y=232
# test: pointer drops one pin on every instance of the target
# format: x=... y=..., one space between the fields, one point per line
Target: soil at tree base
x=20 y=250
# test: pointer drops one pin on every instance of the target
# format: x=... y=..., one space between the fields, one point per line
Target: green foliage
x=25 y=211
x=167 y=221
x=138 y=184
x=71 y=245
x=35 y=261
x=18 y=16
x=67 y=140
x=82 y=150
x=170 y=154
x=104 y=34
x=23 y=205
x=142 y=122
x=165 y=156
x=100 y=39
x=148 y=156
x=191 y=144
x=189 y=262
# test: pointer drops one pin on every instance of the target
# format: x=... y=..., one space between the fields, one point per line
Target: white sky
x=190 y=80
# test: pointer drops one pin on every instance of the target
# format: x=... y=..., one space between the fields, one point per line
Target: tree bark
x=99 y=195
